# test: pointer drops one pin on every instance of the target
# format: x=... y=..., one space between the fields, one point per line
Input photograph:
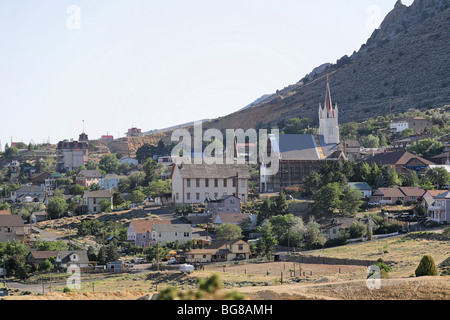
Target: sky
x=108 y=65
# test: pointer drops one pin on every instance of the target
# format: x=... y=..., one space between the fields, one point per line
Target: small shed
x=115 y=266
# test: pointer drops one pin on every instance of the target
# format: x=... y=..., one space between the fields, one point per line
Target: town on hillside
x=71 y=206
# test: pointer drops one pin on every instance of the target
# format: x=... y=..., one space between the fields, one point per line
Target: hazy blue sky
x=154 y=64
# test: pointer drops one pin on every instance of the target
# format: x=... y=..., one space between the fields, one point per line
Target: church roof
x=302 y=147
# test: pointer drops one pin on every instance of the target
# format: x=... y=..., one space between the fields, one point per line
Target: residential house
x=418 y=124
x=39 y=257
x=412 y=194
x=92 y=200
x=225 y=204
x=139 y=231
x=66 y=259
x=352 y=150
x=330 y=227
x=12 y=228
x=130 y=161
x=220 y=251
x=402 y=162
x=28 y=194
x=71 y=155
x=392 y=195
x=39 y=179
x=331 y=230
x=428 y=197
x=163 y=233
x=38 y=217
x=110 y=181
x=193 y=183
x=134 y=132
x=443 y=158
x=440 y=210
x=236 y=219
x=300 y=154
x=86 y=178
x=363 y=187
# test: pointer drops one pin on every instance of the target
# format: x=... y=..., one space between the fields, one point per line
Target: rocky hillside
x=405 y=64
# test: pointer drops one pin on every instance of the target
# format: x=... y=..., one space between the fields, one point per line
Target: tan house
x=11 y=228
x=220 y=251
x=392 y=195
x=92 y=199
x=87 y=178
x=192 y=183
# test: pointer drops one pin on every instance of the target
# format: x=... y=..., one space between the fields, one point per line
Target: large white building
x=193 y=183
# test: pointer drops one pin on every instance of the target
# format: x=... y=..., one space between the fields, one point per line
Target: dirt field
x=274 y=270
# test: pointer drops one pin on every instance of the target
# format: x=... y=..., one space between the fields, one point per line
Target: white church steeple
x=328 y=119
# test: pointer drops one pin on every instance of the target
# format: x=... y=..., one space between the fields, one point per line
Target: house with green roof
x=363 y=187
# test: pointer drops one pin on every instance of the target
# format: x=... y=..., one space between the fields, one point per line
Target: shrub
x=426 y=267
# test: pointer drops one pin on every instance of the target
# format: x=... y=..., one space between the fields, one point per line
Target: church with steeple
x=328 y=119
x=301 y=154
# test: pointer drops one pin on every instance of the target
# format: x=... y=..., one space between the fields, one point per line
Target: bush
x=426 y=267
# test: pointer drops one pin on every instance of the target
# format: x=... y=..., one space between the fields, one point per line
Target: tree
x=102 y=256
x=152 y=170
x=327 y=199
x=313 y=182
x=265 y=211
x=350 y=202
x=76 y=190
x=137 y=196
x=112 y=254
x=265 y=246
x=313 y=237
x=426 y=148
x=372 y=141
x=357 y=230
x=438 y=176
x=11 y=152
x=227 y=232
x=105 y=205
x=160 y=188
x=426 y=267
x=284 y=226
x=117 y=199
x=57 y=207
x=109 y=163
x=281 y=206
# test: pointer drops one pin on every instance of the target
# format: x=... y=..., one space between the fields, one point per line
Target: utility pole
x=157 y=255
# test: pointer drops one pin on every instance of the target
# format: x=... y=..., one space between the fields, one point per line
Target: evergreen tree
x=281 y=206
x=426 y=267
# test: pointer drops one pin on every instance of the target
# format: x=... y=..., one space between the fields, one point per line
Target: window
x=94 y=200
x=216 y=194
x=207 y=183
x=188 y=183
x=197 y=183
x=186 y=234
x=188 y=196
x=240 y=247
x=225 y=183
x=234 y=183
x=160 y=234
x=177 y=196
x=197 y=196
x=216 y=183
x=207 y=194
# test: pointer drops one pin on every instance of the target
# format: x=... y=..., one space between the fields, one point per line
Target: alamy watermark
x=190 y=149
x=73 y=22
x=374 y=279
x=74 y=281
